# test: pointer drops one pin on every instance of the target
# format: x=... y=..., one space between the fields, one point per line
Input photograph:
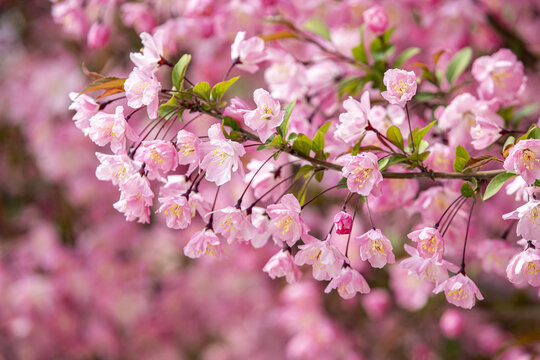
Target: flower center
x=400 y=87
x=266 y=113
x=156 y=156
x=218 y=156
x=377 y=247
x=285 y=224
x=531 y=269
x=186 y=149
x=457 y=294
x=361 y=174
x=529 y=158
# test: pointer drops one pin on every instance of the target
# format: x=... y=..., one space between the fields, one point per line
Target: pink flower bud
x=98 y=35
x=376 y=19
x=343 y=222
x=376 y=303
x=452 y=323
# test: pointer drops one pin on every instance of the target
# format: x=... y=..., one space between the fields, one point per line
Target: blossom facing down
x=500 y=76
x=348 y=283
x=150 y=57
x=353 y=123
x=203 y=242
x=286 y=225
x=160 y=157
x=232 y=224
x=429 y=242
x=525 y=268
x=135 y=199
x=375 y=248
x=524 y=159
x=85 y=107
x=282 y=265
x=326 y=259
x=116 y=168
x=426 y=269
x=362 y=173
x=376 y=19
x=460 y=290
x=187 y=145
x=177 y=211
x=266 y=117
x=529 y=220
x=248 y=53
x=222 y=157
x=484 y=133
x=343 y=222
x=111 y=128
x=401 y=86
x=142 y=89
x=260 y=224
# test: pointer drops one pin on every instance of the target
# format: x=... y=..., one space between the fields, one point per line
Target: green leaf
x=388 y=34
x=350 y=85
x=496 y=184
x=524 y=112
x=527 y=135
x=462 y=156
x=458 y=64
x=303 y=171
x=342 y=183
x=166 y=110
x=179 y=71
x=302 y=145
x=359 y=53
x=467 y=190
x=510 y=141
x=318 y=140
x=404 y=56
x=386 y=162
x=220 y=88
x=230 y=122
x=380 y=50
x=394 y=135
x=284 y=127
x=419 y=135
x=424 y=96
x=317 y=26
x=202 y=90
x=319 y=175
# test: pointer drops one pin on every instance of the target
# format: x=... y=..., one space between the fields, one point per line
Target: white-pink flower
x=135 y=199
x=177 y=211
x=160 y=157
x=375 y=248
x=400 y=86
x=116 y=168
x=429 y=243
x=152 y=50
x=376 y=19
x=282 y=265
x=232 y=224
x=348 y=283
x=111 y=128
x=460 y=290
x=326 y=259
x=529 y=219
x=525 y=267
x=248 y=53
x=285 y=221
x=353 y=123
x=484 y=133
x=85 y=108
x=524 y=159
x=426 y=269
x=362 y=173
x=222 y=157
x=266 y=117
x=142 y=89
x=203 y=242
x=187 y=145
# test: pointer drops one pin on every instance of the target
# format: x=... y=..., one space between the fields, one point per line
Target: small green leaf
x=496 y=184
x=318 y=139
x=510 y=141
x=230 y=122
x=202 y=90
x=394 y=135
x=342 y=183
x=276 y=142
x=317 y=26
x=220 y=88
x=467 y=190
x=524 y=112
x=166 y=110
x=302 y=145
x=419 y=135
x=462 y=156
x=303 y=171
x=404 y=56
x=526 y=136
x=425 y=96
x=359 y=53
x=283 y=128
x=458 y=64
x=179 y=71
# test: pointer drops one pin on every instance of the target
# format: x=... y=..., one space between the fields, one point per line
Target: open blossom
x=222 y=156
x=285 y=221
x=430 y=243
x=160 y=157
x=376 y=19
x=343 y=222
x=177 y=211
x=142 y=88
x=524 y=159
x=325 y=258
x=232 y=224
x=116 y=168
x=348 y=283
x=266 y=117
x=203 y=242
x=529 y=219
x=500 y=76
x=484 y=133
x=150 y=57
x=375 y=248
x=282 y=264
x=111 y=128
x=353 y=123
x=426 y=269
x=248 y=52
x=85 y=108
x=236 y=108
x=260 y=225
x=362 y=173
x=401 y=86
x=177 y=185
x=381 y=118
x=460 y=290
x=135 y=199
x=187 y=145
x=525 y=267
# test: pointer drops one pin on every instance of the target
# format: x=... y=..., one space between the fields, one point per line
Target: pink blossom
x=460 y=290
x=188 y=145
x=500 y=76
x=441 y=158
x=529 y=219
x=248 y=52
x=376 y=303
x=426 y=269
x=177 y=211
x=484 y=133
x=116 y=168
x=85 y=108
x=282 y=264
x=266 y=117
x=524 y=159
x=177 y=185
x=97 y=36
x=494 y=255
x=381 y=118
x=525 y=267
x=353 y=123
x=160 y=157
x=348 y=283
x=135 y=199
x=148 y=61
x=326 y=259
x=430 y=243
x=375 y=248
x=285 y=221
x=222 y=157
x=401 y=86
x=260 y=224
x=236 y=108
x=71 y=15
x=139 y=16
x=142 y=88
x=203 y=242
x=232 y=224
x=111 y=128
x=376 y=19
x=452 y=323
x=343 y=222
x=362 y=173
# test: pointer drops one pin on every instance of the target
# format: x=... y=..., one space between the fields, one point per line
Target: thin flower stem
x=248 y=210
x=353 y=217
x=239 y=202
x=211 y=221
x=462 y=267
x=436 y=226
x=319 y=194
x=410 y=128
x=369 y=214
x=450 y=219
